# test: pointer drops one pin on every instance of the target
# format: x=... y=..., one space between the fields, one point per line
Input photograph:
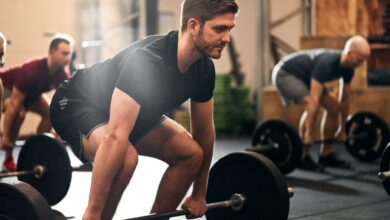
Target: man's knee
x=184 y=149
x=44 y=112
x=304 y=101
x=131 y=160
x=21 y=115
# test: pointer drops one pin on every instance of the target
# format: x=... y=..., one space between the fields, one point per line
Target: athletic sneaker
x=307 y=163
x=9 y=164
x=331 y=160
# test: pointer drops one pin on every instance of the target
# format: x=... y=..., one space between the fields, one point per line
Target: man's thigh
x=91 y=142
x=40 y=107
x=167 y=141
x=329 y=102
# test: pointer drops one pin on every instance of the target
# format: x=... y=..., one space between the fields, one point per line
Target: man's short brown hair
x=204 y=10
x=60 y=38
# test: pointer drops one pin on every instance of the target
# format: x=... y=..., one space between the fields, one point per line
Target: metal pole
x=306 y=17
x=262 y=76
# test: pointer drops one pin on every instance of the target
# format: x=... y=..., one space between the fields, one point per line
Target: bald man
x=301 y=77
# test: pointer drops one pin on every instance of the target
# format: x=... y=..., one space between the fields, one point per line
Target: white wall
x=24 y=23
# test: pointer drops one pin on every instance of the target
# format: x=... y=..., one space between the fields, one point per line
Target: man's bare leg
x=329 y=127
x=41 y=107
x=121 y=179
x=329 y=122
x=14 y=131
x=171 y=143
x=306 y=124
x=302 y=123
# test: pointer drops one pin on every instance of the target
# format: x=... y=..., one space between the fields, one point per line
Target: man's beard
x=203 y=47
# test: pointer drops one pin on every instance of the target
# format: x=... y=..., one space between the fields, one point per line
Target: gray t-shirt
x=320 y=64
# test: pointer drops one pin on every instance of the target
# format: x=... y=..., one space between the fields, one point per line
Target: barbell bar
x=44 y=163
x=384 y=175
x=355 y=137
x=275 y=146
x=39 y=171
x=236 y=202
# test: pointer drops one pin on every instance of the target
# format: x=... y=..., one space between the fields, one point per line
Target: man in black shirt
x=301 y=76
x=114 y=111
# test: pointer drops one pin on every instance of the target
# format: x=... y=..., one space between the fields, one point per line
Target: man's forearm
x=312 y=112
x=344 y=112
x=206 y=140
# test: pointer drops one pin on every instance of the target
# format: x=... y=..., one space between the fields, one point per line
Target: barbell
x=236 y=203
x=367 y=134
x=384 y=171
x=44 y=164
x=246 y=183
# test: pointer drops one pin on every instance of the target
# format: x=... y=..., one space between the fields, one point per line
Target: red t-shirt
x=32 y=78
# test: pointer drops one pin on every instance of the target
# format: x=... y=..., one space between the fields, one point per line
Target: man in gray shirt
x=300 y=77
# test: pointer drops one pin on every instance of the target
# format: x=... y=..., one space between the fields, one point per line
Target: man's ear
x=349 y=54
x=193 y=26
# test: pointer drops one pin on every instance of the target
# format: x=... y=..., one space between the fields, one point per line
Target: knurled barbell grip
x=384 y=175
x=236 y=202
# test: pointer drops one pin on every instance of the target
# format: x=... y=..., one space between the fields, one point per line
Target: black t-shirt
x=147 y=71
x=320 y=64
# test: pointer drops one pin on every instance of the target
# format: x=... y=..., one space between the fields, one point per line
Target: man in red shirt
x=3 y=47
x=27 y=83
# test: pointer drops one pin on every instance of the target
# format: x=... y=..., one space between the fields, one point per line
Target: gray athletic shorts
x=290 y=88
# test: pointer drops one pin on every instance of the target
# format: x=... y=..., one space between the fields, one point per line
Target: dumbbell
x=44 y=164
x=242 y=185
x=384 y=173
x=367 y=134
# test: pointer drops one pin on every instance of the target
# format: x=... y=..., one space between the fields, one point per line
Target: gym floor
x=338 y=194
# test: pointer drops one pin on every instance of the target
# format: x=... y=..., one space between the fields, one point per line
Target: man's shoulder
x=36 y=60
x=328 y=55
x=162 y=48
x=35 y=63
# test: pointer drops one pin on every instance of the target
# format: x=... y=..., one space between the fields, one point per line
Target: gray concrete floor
x=337 y=194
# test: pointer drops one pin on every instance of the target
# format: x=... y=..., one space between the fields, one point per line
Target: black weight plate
x=58 y=215
x=371 y=147
x=276 y=132
x=253 y=176
x=385 y=166
x=46 y=151
x=21 y=201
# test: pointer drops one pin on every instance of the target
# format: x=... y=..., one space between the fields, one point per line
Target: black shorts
x=28 y=101
x=72 y=119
